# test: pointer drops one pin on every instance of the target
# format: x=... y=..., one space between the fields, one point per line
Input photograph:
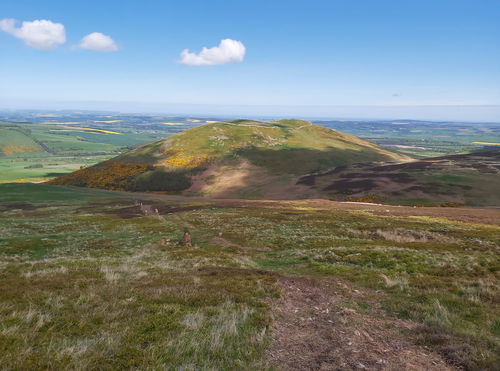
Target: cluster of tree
x=34 y=166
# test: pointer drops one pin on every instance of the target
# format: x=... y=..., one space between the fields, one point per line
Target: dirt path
x=313 y=331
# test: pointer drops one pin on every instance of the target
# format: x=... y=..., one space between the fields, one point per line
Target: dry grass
x=399 y=282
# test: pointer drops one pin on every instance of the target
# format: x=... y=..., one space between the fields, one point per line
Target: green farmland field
x=37 y=152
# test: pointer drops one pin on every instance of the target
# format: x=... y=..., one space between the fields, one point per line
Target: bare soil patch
x=124 y=212
x=22 y=206
x=313 y=331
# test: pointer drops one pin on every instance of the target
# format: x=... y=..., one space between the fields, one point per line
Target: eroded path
x=314 y=330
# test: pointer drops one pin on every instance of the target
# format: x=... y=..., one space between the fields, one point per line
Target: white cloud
x=39 y=34
x=227 y=51
x=99 y=42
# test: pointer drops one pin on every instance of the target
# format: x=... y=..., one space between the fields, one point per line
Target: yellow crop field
x=102 y=131
x=487 y=143
x=173 y=123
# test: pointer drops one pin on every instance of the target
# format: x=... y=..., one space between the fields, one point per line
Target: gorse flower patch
x=116 y=175
x=180 y=160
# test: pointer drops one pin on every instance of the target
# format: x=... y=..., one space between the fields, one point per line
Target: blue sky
x=401 y=58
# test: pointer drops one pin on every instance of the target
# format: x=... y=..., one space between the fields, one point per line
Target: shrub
x=34 y=166
x=158 y=180
x=112 y=175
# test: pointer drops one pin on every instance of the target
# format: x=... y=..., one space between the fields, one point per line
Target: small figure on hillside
x=186 y=239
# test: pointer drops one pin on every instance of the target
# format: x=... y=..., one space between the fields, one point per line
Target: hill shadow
x=298 y=161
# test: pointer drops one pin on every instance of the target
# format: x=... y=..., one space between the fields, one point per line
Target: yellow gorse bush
x=116 y=176
x=179 y=159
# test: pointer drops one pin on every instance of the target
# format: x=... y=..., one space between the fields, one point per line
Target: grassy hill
x=240 y=158
x=470 y=179
x=91 y=281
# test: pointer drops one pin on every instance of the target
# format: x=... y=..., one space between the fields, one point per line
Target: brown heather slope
x=471 y=179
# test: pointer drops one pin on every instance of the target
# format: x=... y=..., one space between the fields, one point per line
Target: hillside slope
x=240 y=158
x=471 y=179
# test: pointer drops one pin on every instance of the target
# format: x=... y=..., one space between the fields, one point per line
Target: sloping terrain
x=241 y=158
x=16 y=140
x=93 y=279
x=471 y=179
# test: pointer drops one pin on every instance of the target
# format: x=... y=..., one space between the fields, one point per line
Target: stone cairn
x=146 y=209
x=186 y=239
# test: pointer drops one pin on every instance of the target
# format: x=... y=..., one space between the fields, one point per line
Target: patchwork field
x=423 y=139
x=37 y=152
x=99 y=279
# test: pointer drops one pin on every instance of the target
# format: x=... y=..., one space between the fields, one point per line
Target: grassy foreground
x=88 y=281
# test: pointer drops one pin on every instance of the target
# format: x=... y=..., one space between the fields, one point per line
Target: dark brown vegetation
x=470 y=179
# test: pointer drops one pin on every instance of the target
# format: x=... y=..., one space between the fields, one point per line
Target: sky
x=423 y=59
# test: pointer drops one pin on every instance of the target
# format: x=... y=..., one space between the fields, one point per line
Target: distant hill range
x=290 y=159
